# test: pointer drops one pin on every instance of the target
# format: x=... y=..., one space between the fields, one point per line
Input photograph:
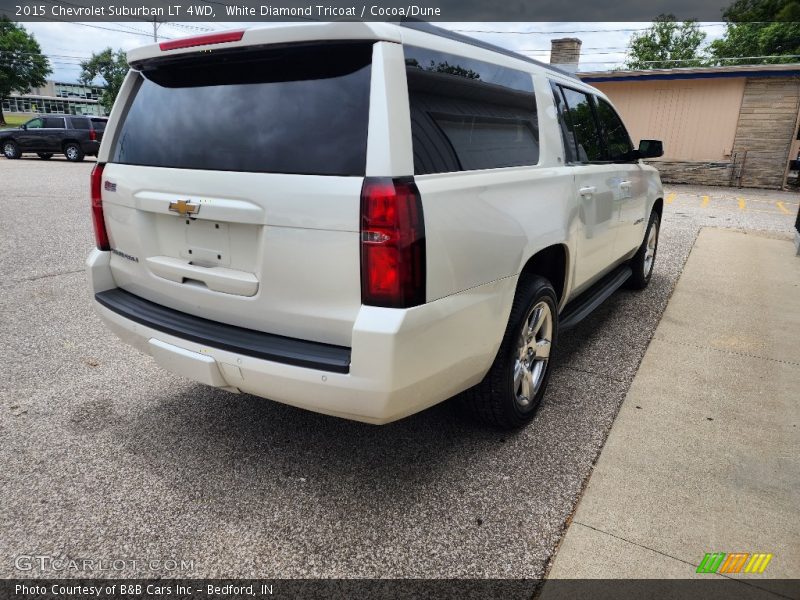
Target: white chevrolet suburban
x=363 y=219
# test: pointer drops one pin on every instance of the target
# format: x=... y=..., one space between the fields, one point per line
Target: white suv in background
x=363 y=219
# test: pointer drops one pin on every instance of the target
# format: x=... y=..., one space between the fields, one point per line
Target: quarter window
x=54 y=123
x=467 y=114
x=80 y=123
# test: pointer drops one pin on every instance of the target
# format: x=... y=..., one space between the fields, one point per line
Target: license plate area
x=207 y=243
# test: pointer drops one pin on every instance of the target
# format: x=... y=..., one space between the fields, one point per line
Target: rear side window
x=80 y=123
x=54 y=122
x=468 y=114
x=618 y=142
x=99 y=124
x=581 y=120
x=299 y=109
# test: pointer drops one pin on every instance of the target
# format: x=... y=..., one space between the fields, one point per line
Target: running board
x=580 y=308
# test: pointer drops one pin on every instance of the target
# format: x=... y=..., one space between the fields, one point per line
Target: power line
x=187 y=27
x=513 y=32
x=694 y=60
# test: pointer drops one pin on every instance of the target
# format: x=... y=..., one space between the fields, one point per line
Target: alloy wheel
x=533 y=354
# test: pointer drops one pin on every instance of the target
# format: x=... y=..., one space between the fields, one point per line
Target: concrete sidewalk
x=704 y=455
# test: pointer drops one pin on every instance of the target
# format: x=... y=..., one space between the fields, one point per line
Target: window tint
x=584 y=126
x=34 y=124
x=54 y=122
x=300 y=109
x=80 y=123
x=618 y=142
x=99 y=124
x=468 y=114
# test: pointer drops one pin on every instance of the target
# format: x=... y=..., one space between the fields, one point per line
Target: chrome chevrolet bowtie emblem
x=184 y=207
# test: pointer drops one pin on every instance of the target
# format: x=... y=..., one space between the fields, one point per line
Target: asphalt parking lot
x=105 y=456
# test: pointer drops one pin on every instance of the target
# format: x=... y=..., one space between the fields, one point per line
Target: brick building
x=735 y=125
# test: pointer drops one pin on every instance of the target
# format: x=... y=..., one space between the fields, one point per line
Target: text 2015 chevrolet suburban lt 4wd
x=363 y=219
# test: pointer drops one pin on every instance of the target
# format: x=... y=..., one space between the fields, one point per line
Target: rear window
x=300 y=109
x=80 y=123
x=99 y=124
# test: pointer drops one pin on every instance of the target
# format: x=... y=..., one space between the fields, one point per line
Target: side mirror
x=23 y=126
x=650 y=149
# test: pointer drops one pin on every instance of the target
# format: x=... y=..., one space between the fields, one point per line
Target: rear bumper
x=401 y=361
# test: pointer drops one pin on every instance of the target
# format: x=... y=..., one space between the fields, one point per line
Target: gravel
x=105 y=456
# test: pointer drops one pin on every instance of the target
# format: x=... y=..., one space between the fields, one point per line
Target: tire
x=11 y=150
x=642 y=264
x=502 y=400
x=45 y=155
x=73 y=152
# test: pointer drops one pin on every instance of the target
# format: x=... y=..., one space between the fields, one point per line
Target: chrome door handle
x=624 y=184
x=588 y=190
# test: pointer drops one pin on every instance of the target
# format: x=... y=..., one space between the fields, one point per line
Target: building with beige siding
x=735 y=125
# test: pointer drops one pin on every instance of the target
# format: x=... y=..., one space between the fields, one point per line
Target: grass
x=14 y=121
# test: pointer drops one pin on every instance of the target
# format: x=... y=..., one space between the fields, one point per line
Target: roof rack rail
x=427 y=27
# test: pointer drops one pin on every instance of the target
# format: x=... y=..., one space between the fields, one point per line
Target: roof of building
x=62 y=98
x=776 y=70
x=41 y=114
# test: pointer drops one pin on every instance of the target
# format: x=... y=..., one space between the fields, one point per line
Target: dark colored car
x=72 y=135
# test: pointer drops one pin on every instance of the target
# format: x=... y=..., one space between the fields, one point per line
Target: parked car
x=364 y=219
x=74 y=136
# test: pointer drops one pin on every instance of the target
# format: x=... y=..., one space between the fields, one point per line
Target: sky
x=604 y=44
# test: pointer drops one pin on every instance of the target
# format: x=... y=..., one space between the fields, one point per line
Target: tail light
x=392 y=243
x=92 y=135
x=100 y=233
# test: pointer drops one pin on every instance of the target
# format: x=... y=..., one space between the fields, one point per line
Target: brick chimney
x=565 y=53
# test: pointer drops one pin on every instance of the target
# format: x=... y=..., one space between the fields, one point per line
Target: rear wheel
x=45 y=155
x=73 y=152
x=10 y=149
x=512 y=390
x=642 y=264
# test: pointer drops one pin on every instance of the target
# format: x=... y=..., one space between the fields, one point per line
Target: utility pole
x=155 y=30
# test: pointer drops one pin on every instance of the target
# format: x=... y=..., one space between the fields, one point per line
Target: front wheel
x=512 y=391
x=644 y=260
x=73 y=152
x=10 y=149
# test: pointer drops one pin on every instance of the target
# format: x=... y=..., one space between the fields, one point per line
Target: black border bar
x=360 y=10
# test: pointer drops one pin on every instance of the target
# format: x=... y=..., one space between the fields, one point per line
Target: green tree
x=22 y=65
x=666 y=44
x=768 y=28
x=111 y=67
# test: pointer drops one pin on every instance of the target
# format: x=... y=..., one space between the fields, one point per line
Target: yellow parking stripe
x=742 y=204
x=670 y=198
x=782 y=207
x=706 y=200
